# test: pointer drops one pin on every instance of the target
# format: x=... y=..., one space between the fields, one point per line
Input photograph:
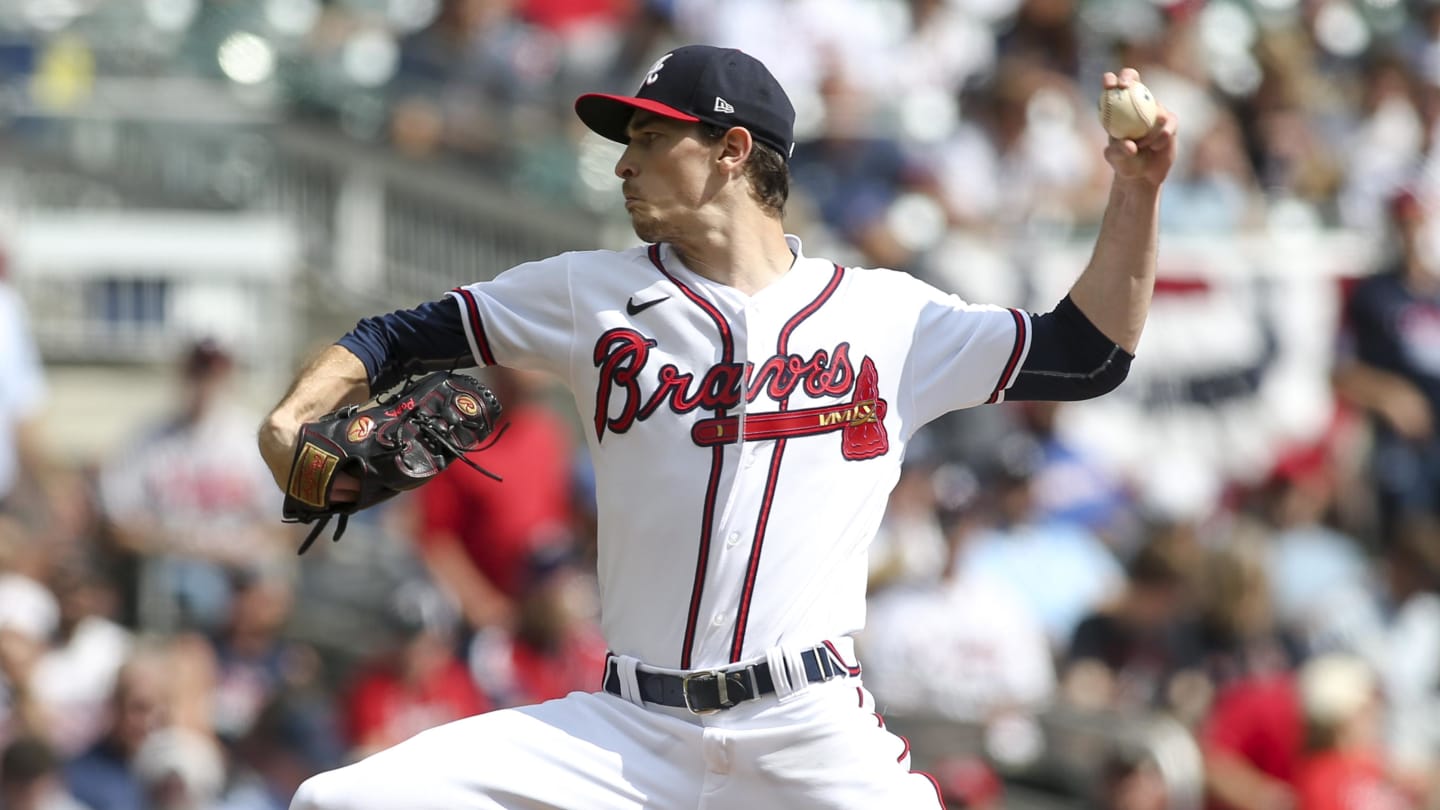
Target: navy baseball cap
x=700 y=83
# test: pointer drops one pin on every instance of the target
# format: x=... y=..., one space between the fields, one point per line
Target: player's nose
x=625 y=167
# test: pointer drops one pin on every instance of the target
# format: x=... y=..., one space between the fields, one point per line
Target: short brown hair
x=766 y=170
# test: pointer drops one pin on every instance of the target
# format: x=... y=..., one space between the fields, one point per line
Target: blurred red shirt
x=560 y=15
x=1258 y=720
x=382 y=710
x=1347 y=780
x=500 y=524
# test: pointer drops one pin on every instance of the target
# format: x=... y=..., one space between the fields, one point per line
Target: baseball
x=1127 y=112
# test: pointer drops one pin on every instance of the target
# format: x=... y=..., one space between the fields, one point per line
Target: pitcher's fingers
x=1160 y=134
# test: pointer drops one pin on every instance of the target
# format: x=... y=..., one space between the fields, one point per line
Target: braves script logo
x=622 y=355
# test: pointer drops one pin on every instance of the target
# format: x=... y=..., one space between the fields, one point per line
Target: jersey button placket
x=732 y=539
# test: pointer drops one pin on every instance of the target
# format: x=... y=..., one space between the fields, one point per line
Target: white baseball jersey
x=745 y=445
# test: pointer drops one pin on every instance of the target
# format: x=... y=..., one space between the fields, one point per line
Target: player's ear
x=735 y=147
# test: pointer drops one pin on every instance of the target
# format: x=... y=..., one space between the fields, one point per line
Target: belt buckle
x=721 y=686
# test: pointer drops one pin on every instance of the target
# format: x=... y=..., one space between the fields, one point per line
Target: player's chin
x=648 y=228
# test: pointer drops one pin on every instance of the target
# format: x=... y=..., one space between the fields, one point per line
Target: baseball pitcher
x=746 y=407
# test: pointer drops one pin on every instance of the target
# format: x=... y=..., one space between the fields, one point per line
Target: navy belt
x=711 y=690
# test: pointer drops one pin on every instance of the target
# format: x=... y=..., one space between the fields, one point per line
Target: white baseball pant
x=823 y=748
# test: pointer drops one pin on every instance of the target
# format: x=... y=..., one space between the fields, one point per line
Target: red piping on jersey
x=852 y=669
x=1008 y=373
x=717 y=460
x=476 y=327
x=935 y=784
x=742 y=617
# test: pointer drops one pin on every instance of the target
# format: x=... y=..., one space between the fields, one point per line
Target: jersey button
x=732 y=538
x=750 y=460
x=718 y=620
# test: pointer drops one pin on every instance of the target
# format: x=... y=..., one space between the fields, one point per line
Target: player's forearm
x=1114 y=291
x=481 y=603
x=334 y=378
x=1367 y=387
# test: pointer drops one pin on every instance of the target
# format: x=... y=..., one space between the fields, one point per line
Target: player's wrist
x=277 y=438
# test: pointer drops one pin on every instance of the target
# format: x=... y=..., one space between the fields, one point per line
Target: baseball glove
x=396 y=444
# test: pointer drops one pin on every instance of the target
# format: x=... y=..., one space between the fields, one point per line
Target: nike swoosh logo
x=633 y=308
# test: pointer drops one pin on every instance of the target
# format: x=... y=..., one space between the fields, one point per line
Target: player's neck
x=748 y=252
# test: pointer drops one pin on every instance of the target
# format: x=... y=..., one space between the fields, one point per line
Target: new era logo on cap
x=719 y=86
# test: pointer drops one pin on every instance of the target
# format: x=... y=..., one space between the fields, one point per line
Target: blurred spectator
x=1217 y=191
x=1020 y=160
x=461 y=78
x=1388 y=364
x=22 y=463
x=965 y=646
x=1252 y=741
x=476 y=537
x=1060 y=571
x=75 y=676
x=106 y=776
x=30 y=778
x=1131 y=780
x=193 y=500
x=1289 y=142
x=1239 y=632
x=293 y=738
x=1385 y=143
x=1072 y=486
x=1132 y=653
x=1044 y=33
x=968 y=782
x=856 y=171
x=1309 y=563
x=1344 y=766
x=234 y=674
x=29 y=615
x=1396 y=631
x=910 y=546
x=416 y=684
x=555 y=647
x=180 y=769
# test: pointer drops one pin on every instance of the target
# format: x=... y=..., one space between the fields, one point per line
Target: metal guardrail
x=391 y=230
x=375 y=230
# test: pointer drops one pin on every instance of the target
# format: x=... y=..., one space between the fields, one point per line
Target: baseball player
x=746 y=407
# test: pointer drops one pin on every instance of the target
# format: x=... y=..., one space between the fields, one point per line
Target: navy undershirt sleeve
x=1069 y=359
x=428 y=337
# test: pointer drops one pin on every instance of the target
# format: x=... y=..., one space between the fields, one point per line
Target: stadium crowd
x=153 y=645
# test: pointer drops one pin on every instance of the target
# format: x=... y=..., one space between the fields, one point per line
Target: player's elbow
x=1105 y=378
x=1073 y=384
x=1069 y=359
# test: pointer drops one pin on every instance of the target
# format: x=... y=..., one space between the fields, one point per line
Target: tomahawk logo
x=654 y=74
